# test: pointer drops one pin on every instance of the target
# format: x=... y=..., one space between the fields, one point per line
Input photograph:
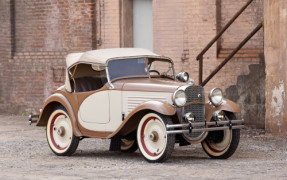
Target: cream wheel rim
x=59 y=131
x=218 y=149
x=126 y=144
x=152 y=136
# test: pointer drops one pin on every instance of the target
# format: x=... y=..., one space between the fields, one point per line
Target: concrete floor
x=25 y=154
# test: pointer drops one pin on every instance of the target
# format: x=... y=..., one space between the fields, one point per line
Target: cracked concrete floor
x=25 y=154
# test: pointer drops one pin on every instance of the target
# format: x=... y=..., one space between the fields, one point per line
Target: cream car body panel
x=132 y=99
x=94 y=115
x=115 y=99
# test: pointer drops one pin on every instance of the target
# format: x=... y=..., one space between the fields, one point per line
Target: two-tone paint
x=93 y=116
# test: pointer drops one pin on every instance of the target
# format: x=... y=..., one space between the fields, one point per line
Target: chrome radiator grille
x=195 y=94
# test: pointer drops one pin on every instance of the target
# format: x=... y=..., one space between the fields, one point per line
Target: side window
x=87 y=77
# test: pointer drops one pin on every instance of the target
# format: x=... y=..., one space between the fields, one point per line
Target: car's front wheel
x=222 y=144
x=60 y=136
x=154 y=143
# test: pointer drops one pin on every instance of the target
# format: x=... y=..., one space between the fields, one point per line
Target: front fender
x=51 y=103
x=158 y=106
x=131 y=122
x=227 y=105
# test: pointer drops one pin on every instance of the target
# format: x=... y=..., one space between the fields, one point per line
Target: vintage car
x=133 y=97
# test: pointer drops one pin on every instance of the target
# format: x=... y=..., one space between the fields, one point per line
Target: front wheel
x=60 y=136
x=222 y=144
x=154 y=143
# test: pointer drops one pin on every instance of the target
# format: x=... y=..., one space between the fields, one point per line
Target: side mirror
x=183 y=76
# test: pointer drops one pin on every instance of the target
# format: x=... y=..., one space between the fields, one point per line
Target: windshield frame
x=147 y=58
x=163 y=60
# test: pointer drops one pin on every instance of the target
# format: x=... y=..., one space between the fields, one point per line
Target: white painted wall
x=142 y=24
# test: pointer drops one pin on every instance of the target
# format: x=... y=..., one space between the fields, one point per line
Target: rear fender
x=227 y=105
x=51 y=103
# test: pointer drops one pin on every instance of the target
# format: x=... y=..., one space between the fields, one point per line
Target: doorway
x=142 y=24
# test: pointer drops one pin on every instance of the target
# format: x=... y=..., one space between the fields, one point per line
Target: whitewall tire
x=222 y=144
x=60 y=136
x=154 y=143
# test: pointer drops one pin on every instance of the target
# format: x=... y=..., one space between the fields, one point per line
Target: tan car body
x=133 y=97
x=72 y=102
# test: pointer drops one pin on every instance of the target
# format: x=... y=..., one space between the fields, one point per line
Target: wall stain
x=277 y=103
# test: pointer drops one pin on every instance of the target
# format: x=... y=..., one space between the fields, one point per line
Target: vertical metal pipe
x=200 y=70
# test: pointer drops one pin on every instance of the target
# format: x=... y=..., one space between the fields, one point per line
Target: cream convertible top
x=102 y=56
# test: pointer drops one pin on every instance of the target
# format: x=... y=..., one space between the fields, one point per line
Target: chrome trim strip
x=109 y=80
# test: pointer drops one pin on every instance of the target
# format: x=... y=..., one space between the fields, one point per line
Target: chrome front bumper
x=191 y=127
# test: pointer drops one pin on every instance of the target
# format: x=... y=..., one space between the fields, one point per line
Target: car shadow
x=136 y=156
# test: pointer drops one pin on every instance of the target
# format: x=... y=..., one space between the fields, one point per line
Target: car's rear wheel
x=154 y=143
x=222 y=144
x=60 y=136
x=128 y=146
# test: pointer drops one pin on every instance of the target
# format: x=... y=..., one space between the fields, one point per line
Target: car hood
x=151 y=85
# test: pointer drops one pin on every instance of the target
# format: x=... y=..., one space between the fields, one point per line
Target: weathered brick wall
x=46 y=31
x=245 y=23
x=56 y=25
x=110 y=24
x=183 y=29
x=5 y=49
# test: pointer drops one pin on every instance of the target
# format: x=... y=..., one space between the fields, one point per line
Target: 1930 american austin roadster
x=133 y=97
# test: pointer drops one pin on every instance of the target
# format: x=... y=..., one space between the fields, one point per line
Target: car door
x=93 y=97
x=115 y=104
x=101 y=111
x=95 y=108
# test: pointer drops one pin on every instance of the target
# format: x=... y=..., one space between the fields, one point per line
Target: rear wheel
x=128 y=146
x=222 y=144
x=154 y=143
x=60 y=136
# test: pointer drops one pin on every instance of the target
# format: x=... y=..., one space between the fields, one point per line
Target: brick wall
x=5 y=48
x=45 y=31
x=245 y=23
x=183 y=29
x=56 y=25
x=110 y=24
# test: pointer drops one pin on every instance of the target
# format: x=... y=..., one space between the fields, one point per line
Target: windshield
x=127 y=67
x=160 y=68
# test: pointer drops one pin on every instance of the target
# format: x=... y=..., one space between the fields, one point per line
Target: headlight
x=183 y=76
x=216 y=96
x=179 y=98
